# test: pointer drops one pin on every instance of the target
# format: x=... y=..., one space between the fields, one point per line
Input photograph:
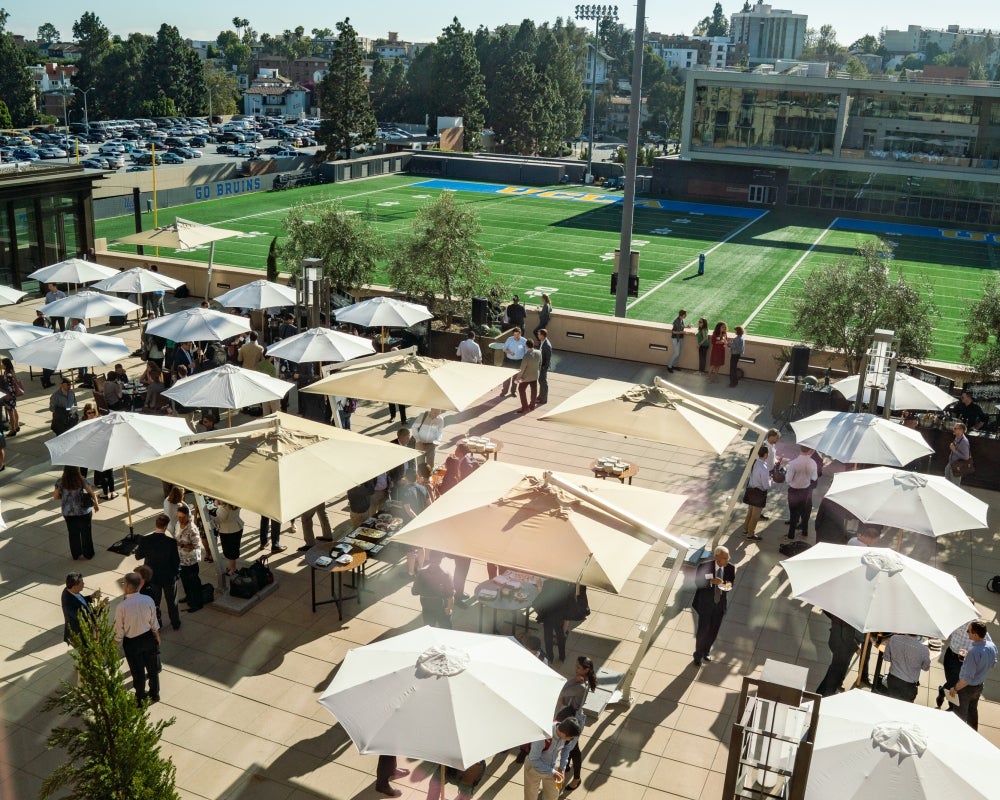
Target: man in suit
x=714 y=581
x=159 y=550
x=73 y=604
x=545 y=348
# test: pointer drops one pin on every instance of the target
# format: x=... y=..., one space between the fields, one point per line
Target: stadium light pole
x=84 y=92
x=598 y=14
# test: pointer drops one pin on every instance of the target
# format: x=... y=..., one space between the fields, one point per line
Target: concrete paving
x=243 y=690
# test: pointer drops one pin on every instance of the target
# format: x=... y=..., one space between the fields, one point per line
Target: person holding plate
x=715 y=580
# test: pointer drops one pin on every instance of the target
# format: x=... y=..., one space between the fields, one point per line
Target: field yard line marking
x=788 y=274
x=691 y=263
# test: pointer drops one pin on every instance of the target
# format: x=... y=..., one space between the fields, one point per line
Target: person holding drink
x=540 y=765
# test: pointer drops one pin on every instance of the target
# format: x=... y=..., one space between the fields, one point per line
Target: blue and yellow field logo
x=982 y=237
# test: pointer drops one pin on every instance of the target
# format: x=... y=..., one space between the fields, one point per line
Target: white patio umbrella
x=860 y=438
x=15 y=334
x=927 y=504
x=873 y=747
x=383 y=312
x=446 y=696
x=876 y=589
x=907 y=393
x=72 y=270
x=119 y=439
x=137 y=281
x=9 y=296
x=69 y=350
x=198 y=325
x=227 y=387
x=258 y=294
x=88 y=304
x=321 y=344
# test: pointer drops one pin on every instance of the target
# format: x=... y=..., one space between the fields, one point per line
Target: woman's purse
x=86 y=499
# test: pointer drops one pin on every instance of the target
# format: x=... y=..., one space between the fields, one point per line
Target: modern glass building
x=46 y=215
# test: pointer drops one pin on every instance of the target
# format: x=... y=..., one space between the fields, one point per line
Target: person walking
x=544 y=315
x=704 y=338
x=737 y=347
x=545 y=349
x=755 y=495
x=189 y=550
x=711 y=601
x=79 y=504
x=137 y=631
x=801 y=475
x=981 y=658
x=677 y=334
x=427 y=434
x=158 y=551
x=717 y=358
x=527 y=377
x=386 y=771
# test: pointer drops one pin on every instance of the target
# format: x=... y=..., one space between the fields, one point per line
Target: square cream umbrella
x=907 y=393
x=861 y=438
x=873 y=747
x=198 y=325
x=508 y=514
x=278 y=467
x=72 y=270
x=412 y=380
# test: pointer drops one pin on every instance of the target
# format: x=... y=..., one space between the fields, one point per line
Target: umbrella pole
x=861 y=661
x=443 y=770
x=128 y=500
x=229 y=418
x=211 y=258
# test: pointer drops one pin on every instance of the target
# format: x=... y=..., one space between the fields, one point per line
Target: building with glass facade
x=907 y=149
x=46 y=215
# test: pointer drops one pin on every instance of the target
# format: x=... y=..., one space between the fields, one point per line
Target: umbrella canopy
x=415 y=381
x=72 y=270
x=138 y=281
x=449 y=697
x=876 y=589
x=227 y=386
x=88 y=304
x=907 y=393
x=649 y=412
x=198 y=325
x=70 y=349
x=182 y=234
x=928 y=504
x=280 y=466
x=383 y=312
x=321 y=344
x=503 y=514
x=258 y=294
x=118 y=439
x=9 y=296
x=14 y=334
x=873 y=747
x=860 y=438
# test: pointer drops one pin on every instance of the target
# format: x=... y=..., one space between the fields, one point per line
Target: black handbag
x=243 y=584
x=755 y=497
x=962 y=467
x=86 y=499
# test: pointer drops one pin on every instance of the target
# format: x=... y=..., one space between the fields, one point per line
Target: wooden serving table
x=336 y=571
x=599 y=472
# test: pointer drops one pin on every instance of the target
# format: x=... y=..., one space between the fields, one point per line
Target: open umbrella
x=9 y=296
x=321 y=344
x=907 y=393
x=72 y=270
x=69 y=350
x=927 y=504
x=119 y=439
x=258 y=294
x=278 y=467
x=650 y=412
x=412 y=380
x=877 y=589
x=860 y=438
x=446 y=696
x=137 y=281
x=383 y=312
x=227 y=387
x=14 y=334
x=873 y=747
x=88 y=304
x=198 y=325
x=507 y=514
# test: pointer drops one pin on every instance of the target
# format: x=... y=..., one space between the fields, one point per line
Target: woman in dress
x=704 y=336
x=8 y=390
x=173 y=501
x=571 y=701
x=78 y=506
x=760 y=479
x=189 y=547
x=104 y=478
x=720 y=338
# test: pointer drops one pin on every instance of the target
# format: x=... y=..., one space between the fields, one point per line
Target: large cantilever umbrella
x=321 y=344
x=119 y=439
x=508 y=514
x=69 y=350
x=72 y=270
x=88 y=305
x=227 y=387
x=873 y=747
x=860 y=438
x=258 y=294
x=413 y=380
x=183 y=234
x=198 y=325
x=278 y=467
x=15 y=334
x=9 y=296
x=907 y=393
x=651 y=412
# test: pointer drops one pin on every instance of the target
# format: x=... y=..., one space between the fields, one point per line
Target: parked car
x=231 y=136
x=186 y=152
x=198 y=141
x=94 y=163
x=24 y=154
x=171 y=158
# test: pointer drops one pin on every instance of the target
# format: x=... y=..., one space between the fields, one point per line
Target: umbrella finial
x=883 y=561
x=901 y=739
x=441 y=661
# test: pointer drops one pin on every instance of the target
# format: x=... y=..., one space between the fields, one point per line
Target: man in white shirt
x=800 y=475
x=468 y=351
x=513 y=351
x=138 y=632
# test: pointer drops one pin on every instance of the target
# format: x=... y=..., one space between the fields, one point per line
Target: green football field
x=562 y=241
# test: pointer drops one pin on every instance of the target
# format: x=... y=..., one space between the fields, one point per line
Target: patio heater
x=771 y=744
x=878 y=373
x=312 y=294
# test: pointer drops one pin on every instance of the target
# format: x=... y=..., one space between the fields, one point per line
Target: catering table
x=336 y=571
x=484 y=446
x=509 y=603
x=366 y=537
x=134 y=393
x=630 y=472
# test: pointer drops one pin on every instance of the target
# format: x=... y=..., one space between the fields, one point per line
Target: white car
x=111 y=149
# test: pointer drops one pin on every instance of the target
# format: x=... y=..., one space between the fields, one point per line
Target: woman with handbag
x=189 y=547
x=78 y=506
x=10 y=389
x=571 y=701
x=755 y=495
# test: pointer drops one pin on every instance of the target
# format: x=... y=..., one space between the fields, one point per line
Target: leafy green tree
x=47 y=33
x=121 y=94
x=224 y=88
x=94 y=41
x=856 y=68
x=272 y=261
x=5 y=118
x=419 y=99
x=349 y=246
x=346 y=104
x=981 y=346
x=389 y=88
x=16 y=87
x=442 y=261
x=234 y=50
x=558 y=62
x=525 y=121
x=715 y=25
x=866 y=44
x=112 y=749
x=173 y=68
x=665 y=103
x=459 y=88
x=840 y=307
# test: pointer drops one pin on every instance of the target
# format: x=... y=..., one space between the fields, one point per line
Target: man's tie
x=718 y=586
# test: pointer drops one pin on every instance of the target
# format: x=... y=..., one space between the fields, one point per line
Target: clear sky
x=416 y=21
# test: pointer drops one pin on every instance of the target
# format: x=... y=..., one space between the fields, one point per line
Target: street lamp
x=598 y=13
x=84 y=92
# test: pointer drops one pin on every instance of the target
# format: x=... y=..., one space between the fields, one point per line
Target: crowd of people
x=713 y=346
